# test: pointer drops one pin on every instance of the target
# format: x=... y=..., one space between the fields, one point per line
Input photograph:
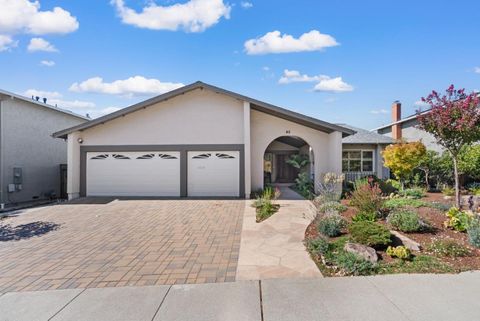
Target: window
x=357 y=161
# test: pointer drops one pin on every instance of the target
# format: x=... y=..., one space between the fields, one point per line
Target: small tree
x=428 y=164
x=402 y=158
x=469 y=161
x=454 y=121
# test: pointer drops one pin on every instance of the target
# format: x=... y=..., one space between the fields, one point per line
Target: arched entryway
x=277 y=168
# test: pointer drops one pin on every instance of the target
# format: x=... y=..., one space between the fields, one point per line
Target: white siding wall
x=197 y=117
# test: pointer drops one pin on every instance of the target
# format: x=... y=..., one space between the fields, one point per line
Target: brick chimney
x=396 y=116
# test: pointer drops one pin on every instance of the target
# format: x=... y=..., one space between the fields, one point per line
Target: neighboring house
x=406 y=128
x=198 y=140
x=30 y=157
x=362 y=154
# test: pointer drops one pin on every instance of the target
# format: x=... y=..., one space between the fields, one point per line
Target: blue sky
x=383 y=51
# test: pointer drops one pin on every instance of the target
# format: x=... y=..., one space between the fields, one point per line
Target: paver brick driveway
x=134 y=242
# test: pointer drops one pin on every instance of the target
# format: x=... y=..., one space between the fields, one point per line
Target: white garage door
x=213 y=173
x=133 y=174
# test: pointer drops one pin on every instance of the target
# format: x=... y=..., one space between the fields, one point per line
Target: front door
x=285 y=172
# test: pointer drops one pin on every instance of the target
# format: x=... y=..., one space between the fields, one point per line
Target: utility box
x=11 y=188
x=17 y=176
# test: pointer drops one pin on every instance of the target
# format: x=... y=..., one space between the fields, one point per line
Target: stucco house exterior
x=195 y=141
x=406 y=129
x=362 y=154
x=30 y=157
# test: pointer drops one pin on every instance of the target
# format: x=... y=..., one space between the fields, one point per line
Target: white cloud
x=378 y=111
x=133 y=86
x=191 y=16
x=47 y=63
x=7 y=43
x=336 y=85
x=476 y=70
x=40 y=44
x=246 y=4
x=291 y=76
x=23 y=16
x=324 y=83
x=55 y=98
x=275 y=42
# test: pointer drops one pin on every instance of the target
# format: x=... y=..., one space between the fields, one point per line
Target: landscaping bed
x=442 y=248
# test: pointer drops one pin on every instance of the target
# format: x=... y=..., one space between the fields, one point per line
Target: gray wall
x=26 y=130
x=411 y=133
x=380 y=170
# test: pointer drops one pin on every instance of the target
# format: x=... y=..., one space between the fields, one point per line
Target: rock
x=367 y=252
x=471 y=202
x=400 y=239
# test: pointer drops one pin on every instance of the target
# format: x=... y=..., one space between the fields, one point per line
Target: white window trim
x=361 y=160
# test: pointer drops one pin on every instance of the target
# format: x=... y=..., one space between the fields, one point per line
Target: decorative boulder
x=400 y=239
x=367 y=252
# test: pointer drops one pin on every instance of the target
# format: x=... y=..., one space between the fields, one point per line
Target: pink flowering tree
x=454 y=121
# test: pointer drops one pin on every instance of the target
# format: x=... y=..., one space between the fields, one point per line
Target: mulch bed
x=436 y=218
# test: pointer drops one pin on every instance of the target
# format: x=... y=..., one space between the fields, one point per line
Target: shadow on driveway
x=25 y=231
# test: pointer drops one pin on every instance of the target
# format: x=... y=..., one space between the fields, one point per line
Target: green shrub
x=394 y=183
x=439 y=206
x=418 y=264
x=388 y=187
x=363 y=216
x=457 y=219
x=263 y=203
x=406 y=221
x=367 y=198
x=473 y=232
x=448 y=191
x=474 y=188
x=400 y=252
x=318 y=246
x=448 y=248
x=332 y=206
x=415 y=192
x=353 y=264
x=369 y=233
x=267 y=210
x=304 y=185
x=395 y=203
x=331 y=225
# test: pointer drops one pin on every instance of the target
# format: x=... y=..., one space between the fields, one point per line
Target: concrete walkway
x=382 y=298
x=274 y=248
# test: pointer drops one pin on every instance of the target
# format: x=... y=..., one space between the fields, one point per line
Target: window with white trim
x=357 y=161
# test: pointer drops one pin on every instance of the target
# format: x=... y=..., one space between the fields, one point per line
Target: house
x=30 y=159
x=195 y=141
x=407 y=129
x=362 y=154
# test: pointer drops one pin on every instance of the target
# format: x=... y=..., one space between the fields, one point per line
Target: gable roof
x=363 y=136
x=7 y=94
x=401 y=121
x=255 y=104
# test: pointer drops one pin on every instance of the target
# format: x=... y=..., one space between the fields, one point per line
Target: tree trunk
x=457 y=185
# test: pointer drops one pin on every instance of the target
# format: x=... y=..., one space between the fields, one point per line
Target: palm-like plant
x=298 y=161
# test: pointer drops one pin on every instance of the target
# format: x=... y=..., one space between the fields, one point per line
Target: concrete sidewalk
x=395 y=297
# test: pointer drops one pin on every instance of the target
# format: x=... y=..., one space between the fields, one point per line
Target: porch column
x=335 y=152
x=73 y=166
x=246 y=142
